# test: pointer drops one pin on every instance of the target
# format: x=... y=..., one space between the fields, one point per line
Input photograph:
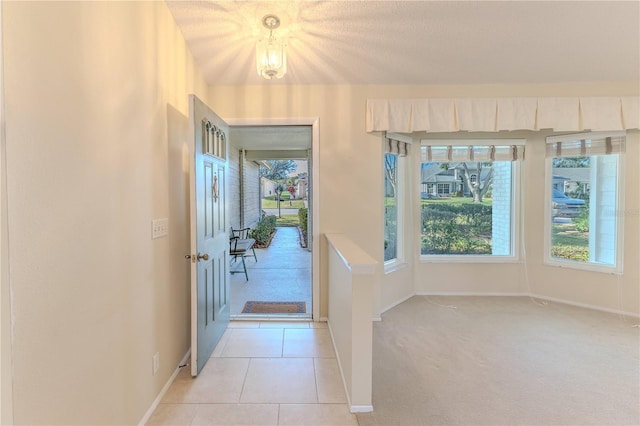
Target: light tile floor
x=262 y=373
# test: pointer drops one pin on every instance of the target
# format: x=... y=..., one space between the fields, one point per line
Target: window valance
x=397 y=147
x=496 y=114
x=470 y=150
x=580 y=145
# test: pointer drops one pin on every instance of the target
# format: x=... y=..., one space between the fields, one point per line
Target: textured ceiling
x=271 y=137
x=419 y=42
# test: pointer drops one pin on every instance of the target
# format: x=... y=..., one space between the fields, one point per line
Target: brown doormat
x=252 y=307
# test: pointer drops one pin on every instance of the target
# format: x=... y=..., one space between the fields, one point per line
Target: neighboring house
x=436 y=181
x=302 y=186
x=267 y=187
x=572 y=180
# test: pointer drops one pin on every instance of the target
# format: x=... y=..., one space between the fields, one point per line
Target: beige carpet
x=503 y=361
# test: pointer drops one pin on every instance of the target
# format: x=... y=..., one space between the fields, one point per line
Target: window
x=391 y=205
x=444 y=189
x=395 y=151
x=583 y=198
x=472 y=214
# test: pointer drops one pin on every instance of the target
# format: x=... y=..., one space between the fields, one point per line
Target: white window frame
x=572 y=264
x=445 y=187
x=516 y=202
x=399 y=261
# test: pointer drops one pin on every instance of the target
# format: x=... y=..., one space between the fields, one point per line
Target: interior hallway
x=262 y=373
x=281 y=274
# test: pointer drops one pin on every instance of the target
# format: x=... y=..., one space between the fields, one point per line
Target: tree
x=391 y=172
x=480 y=186
x=278 y=169
x=571 y=162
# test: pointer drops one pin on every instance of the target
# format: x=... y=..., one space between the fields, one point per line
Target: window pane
x=583 y=209
x=466 y=208
x=390 y=207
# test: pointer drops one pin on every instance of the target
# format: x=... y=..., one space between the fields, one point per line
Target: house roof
x=573 y=174
x=418 y=42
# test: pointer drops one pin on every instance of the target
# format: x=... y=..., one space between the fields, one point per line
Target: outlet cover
x=159 y=228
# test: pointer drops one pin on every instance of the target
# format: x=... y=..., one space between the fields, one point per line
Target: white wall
x=351 y=159
x=233 y=177
x=250 y=204
x=251 y=194
x=96 y=131
x=6 y=381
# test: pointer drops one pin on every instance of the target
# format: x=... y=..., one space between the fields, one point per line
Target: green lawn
x=567 y=243
x=273 y=204
x=566 y=234
x=390 y=201
x=455 y=200
x=288 y=220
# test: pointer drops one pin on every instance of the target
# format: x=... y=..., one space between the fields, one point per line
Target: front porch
x=282 y=273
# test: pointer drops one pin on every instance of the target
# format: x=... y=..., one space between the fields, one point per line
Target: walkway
x=281 y=274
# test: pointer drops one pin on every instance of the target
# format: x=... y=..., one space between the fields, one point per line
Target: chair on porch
x=239 y=248
x=243 y=235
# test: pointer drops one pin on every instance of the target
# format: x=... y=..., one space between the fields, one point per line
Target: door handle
x=203 y=256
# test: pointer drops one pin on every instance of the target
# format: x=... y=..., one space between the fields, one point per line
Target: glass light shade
x=271 y=58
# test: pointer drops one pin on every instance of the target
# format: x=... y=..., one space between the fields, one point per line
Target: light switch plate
x=159 y=228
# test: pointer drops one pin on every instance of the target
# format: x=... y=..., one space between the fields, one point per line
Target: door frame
x=314 y=122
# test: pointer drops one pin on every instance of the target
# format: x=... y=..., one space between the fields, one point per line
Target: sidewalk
x=281 y=274
x=284 y=209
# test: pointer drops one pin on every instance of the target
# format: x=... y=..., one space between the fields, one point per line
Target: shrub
x=456 y=229
x=303 y=214
x=263 y=230
x=578 y=253
x=582 y=221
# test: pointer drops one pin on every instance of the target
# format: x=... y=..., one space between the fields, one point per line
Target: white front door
x=209 y=232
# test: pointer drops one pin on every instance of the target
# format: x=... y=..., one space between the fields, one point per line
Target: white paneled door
x=209 y=232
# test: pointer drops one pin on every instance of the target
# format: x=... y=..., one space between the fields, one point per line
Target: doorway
x=284 y=272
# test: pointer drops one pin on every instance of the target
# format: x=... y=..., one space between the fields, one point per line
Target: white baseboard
x=164 y=390
x=393 y=305
x=335 y=350
x=586 y=305
x=445 y=293
x=352 y=408
x=537 y=296
x=361 y=408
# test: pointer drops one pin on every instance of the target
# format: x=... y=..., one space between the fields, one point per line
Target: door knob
x=203 y=256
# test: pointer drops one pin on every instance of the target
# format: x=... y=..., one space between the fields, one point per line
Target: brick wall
x=501 y=215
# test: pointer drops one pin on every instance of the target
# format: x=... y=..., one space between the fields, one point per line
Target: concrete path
x=281 y=274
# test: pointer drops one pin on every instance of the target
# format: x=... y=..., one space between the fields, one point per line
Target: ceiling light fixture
x=271 y=57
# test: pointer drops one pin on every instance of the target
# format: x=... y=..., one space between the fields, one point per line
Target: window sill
x=579 y=266
x=468 y=259
x=394 y=265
